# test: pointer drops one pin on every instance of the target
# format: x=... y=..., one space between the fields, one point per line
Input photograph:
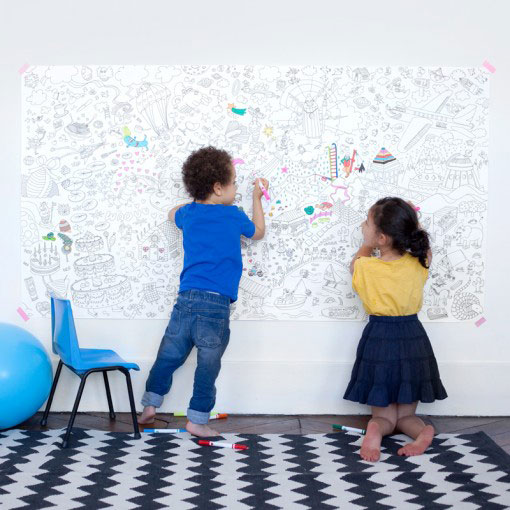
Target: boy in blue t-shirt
x=212 y=228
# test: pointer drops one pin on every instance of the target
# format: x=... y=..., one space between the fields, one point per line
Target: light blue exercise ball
x=25 y=375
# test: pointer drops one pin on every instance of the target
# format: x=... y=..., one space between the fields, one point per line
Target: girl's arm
x=364 y=251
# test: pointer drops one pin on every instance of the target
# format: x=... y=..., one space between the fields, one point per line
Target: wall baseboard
x=297 y=387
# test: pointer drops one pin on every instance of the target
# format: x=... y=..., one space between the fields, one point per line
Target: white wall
x=271 y=367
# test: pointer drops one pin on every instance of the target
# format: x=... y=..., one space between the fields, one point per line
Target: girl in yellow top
x=395 y=365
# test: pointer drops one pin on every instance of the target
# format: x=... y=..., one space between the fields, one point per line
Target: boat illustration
x=333 y=282
x=293 y=299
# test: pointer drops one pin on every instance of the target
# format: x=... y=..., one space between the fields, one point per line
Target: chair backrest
x=63 y=332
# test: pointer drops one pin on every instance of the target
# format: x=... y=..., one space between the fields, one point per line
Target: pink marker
x=264 y=190
x=234 y=446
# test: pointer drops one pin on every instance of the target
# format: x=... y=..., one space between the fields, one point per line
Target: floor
x=498 y=428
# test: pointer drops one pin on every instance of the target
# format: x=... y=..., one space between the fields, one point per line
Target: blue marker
x=164 y=431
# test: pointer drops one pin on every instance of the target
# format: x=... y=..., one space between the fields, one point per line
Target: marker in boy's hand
x=260 y=185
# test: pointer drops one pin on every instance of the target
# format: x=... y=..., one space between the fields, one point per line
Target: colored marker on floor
x=221 y=444
x=349 y=429
x=219 y=416
x=164 y=431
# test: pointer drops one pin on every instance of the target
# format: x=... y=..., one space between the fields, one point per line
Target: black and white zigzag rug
x=319 y=471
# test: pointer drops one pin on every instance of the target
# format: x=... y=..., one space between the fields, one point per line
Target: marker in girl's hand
x=416 y=208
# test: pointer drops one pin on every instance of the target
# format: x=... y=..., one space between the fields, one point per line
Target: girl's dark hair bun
x=419 y=245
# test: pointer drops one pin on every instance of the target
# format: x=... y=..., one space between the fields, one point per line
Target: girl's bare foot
x=420 y=444
x=200 y=430
x=371 y=446
x=149 y=412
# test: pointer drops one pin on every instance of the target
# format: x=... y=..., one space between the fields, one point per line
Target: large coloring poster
x=103 y=146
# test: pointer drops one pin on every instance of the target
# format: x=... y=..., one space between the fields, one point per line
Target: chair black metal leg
x=108 y=395
x=52 y=392
x=75 y=409
x=132 y=403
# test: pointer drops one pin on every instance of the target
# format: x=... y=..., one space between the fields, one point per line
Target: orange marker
x=219 y=416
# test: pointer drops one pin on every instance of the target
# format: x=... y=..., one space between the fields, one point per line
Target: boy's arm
x=364 y=251
x=258 y=213
x=171 y=214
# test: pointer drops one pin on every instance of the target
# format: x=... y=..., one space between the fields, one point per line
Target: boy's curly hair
x=203 y=168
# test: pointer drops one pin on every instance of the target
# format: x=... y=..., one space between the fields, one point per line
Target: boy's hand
x=257 y=192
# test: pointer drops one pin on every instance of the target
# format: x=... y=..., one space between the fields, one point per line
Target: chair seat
x=101 y=358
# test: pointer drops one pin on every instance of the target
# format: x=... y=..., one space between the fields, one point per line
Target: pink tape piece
x=480 y=321
x=416 y=209
x=23 y=68
x=238 y=162
x=22 y=313
x=489 y=66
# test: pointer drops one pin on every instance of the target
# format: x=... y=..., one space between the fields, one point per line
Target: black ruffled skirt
x=395 y=363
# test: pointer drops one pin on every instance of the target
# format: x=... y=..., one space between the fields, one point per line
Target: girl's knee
x=393 y=424
x=406 y=410
x=390 y=423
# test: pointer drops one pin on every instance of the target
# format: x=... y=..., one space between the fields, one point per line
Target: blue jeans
x=200 y=319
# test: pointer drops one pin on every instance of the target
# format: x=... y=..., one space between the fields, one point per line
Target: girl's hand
x=413 y=206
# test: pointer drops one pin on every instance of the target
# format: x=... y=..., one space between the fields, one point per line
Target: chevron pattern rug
x=319 y=471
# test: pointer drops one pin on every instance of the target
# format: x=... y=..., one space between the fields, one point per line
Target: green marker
x=349 y=429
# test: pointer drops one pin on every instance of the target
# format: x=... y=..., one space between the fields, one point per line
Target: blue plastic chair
x=83 y=362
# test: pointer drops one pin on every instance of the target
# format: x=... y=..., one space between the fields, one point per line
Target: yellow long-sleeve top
x=392 y=287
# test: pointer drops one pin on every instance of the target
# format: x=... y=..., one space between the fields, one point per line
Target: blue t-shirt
x=212 y=246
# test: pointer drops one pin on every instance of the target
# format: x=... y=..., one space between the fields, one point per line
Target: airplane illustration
x=430 y=117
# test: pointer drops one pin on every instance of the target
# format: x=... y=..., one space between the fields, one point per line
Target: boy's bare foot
x=149 y=412
x=200 y=430
x=420 y=444
x=371 y=446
